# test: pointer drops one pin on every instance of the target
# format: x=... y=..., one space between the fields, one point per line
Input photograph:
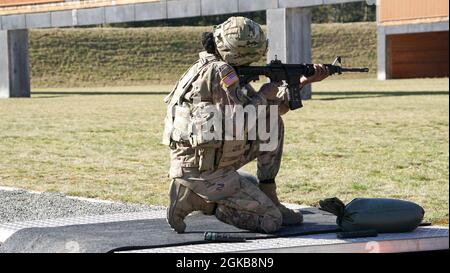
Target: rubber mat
x=145 y=234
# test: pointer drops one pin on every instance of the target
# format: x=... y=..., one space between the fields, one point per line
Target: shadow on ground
x=335 y=95
x=95 y=93
x=363 y=95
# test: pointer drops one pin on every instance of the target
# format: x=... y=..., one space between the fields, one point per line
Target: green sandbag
x=380 y=214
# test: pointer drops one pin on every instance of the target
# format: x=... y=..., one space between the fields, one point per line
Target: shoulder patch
x=228 y=76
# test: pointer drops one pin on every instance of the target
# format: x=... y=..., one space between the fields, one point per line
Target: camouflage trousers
x=239 y=200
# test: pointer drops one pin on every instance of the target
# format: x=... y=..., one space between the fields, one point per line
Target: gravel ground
x=19 y=205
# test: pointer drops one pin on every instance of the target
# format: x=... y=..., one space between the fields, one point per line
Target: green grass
x=356 y=138
x=139 y=56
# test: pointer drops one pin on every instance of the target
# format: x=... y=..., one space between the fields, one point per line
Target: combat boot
x=183 y=201
x=290 y=217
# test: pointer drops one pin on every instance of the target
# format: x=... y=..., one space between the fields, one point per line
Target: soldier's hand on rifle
x=321 y=74
x=270 y=90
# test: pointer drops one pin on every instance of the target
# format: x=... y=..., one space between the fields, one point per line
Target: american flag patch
x=230 y=79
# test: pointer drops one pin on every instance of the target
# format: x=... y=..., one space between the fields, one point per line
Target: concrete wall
x=14 y=70
x=289 y=33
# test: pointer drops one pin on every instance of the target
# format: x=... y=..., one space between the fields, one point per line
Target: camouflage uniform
x=210 y=167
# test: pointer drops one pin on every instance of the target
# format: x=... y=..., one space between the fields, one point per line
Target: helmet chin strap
x=218 y=55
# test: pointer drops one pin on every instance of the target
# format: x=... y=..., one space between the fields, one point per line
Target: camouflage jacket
x=209 y=85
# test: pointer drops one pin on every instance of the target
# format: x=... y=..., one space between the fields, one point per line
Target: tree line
x=338 y=13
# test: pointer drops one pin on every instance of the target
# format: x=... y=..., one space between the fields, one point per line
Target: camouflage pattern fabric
x=210 y=168
x=240 y=41
x=249 y=209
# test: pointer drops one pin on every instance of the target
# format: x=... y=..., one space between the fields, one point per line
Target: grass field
x=356 y=138
x=130 y=56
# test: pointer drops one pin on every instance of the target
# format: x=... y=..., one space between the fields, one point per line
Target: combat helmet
x=240 y=41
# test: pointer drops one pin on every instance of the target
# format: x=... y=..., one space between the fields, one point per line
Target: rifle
x=277 y=71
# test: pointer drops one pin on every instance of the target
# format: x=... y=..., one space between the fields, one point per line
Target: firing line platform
x=425 y=238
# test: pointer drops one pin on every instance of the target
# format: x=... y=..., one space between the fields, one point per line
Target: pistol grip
x=294 y=97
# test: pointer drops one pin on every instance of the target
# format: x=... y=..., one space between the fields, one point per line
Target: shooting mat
x=146 y=234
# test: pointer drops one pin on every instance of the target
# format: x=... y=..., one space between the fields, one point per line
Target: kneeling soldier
x=204 y=170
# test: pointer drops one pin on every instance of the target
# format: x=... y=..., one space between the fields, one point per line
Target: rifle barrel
x=361 y=70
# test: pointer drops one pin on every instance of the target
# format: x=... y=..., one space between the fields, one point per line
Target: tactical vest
x=180 y=123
